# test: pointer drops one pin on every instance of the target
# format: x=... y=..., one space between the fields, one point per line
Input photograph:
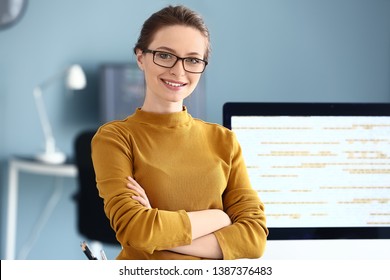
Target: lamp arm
x=46 y=127
x=52 y=79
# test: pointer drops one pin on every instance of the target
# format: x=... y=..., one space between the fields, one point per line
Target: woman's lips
x=173 y=84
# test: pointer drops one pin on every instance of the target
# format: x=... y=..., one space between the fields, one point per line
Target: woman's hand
x=207 y=221
x=141 y=197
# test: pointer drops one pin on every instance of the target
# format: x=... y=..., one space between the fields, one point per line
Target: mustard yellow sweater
x=184 y=164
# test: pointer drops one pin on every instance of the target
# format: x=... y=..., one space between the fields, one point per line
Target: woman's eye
x=164 y=55
x=192 y=60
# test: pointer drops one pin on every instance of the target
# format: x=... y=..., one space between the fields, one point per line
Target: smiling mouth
x=173 y=84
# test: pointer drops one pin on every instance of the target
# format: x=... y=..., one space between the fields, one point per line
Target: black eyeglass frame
x=177 y=59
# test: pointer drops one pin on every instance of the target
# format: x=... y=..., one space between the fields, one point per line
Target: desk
x=19 y=164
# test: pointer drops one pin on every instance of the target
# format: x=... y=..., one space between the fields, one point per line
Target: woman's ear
x=140 y=59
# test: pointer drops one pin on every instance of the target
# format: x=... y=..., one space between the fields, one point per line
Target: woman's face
x=166 y=88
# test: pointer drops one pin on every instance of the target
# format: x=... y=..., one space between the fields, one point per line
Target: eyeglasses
x=168 y=60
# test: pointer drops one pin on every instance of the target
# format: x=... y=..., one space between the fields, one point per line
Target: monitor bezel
x=231 y=109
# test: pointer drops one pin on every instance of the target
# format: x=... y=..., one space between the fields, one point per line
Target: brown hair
x=171 y=15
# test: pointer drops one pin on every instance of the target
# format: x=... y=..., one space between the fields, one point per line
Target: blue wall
x=303 y=50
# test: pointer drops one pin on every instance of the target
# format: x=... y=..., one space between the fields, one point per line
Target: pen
x=87 y=251
x=103 y=255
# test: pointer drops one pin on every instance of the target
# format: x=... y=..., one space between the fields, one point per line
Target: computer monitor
x=322 y=170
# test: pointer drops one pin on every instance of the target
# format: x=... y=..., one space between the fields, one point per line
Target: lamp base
x=52 y=158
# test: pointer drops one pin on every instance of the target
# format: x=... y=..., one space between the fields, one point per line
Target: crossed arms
x=203 y=224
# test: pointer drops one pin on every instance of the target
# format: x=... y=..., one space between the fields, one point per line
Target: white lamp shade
x=76 y=78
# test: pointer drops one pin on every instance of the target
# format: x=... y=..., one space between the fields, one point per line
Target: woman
x=175 y=187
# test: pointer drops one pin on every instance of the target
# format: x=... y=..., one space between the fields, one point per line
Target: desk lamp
x=75 y=80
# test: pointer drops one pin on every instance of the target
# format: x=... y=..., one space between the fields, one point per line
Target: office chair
x=92 y=222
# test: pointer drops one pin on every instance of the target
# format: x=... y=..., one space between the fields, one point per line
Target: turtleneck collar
x=165 y=120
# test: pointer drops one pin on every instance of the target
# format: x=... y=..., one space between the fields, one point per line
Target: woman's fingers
x=135 y=186
x=140 y=192
x=141 y=197
x=142 y=201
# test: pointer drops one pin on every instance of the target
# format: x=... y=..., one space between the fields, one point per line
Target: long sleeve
x=184 y=165
x=135 y=226
x=246 y=237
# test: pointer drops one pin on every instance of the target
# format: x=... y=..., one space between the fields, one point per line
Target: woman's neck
x=166 y=108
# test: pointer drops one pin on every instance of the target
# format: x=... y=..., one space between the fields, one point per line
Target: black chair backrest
x=92 y=221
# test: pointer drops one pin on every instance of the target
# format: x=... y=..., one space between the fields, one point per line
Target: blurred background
x=280 y=51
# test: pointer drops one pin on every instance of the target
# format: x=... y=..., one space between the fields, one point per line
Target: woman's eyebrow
x=163 y=48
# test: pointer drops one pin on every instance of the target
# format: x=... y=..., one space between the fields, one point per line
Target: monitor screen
x=322 y=170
